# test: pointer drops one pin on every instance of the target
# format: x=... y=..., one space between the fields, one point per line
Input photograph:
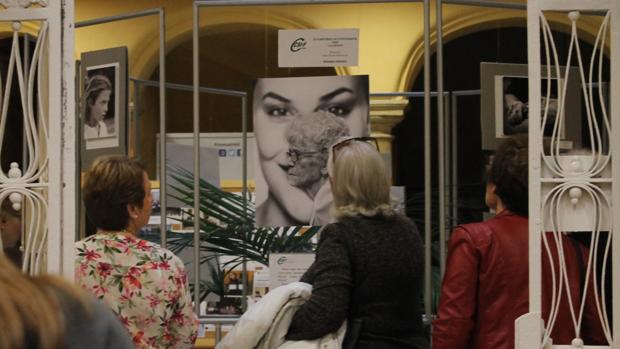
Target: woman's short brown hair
x=509 y=172
x=112 y=183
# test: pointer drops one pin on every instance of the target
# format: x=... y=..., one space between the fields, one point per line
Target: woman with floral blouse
x=144 y=284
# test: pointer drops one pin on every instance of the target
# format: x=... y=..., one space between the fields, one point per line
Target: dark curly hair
x=509 y=172
x=112 y=183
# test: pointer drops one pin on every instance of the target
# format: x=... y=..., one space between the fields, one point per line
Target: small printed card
x=285 y=268
x=318 y=47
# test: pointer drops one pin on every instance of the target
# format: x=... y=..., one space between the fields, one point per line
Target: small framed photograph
x=504 y=93
x=103 y=103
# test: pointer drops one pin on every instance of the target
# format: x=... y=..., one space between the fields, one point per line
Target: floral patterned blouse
x=144 y=284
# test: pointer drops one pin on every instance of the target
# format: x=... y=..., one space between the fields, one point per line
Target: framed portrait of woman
x=296 y=120
x=504 y=109
x=103 y=103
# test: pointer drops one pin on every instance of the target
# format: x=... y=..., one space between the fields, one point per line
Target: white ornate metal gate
x=572 y=191
x=43 y=188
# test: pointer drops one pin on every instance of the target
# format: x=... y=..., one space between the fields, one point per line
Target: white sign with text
x=318 y=47
x=285 y=268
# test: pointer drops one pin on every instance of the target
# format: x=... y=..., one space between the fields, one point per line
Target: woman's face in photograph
x=99 y=108
x=306 y=171
x=277 y=102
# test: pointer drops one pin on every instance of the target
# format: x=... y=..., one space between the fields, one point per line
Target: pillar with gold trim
x=385 y=113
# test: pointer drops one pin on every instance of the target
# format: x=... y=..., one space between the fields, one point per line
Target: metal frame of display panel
x=427 y=112
x=161 y=13
x=212 y=91
x=220 y=3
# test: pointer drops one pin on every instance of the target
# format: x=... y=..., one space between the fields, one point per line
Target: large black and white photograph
x=512 y=103
x=505 y=107
x=100 y=105
x=103 y=101
x=296 y=120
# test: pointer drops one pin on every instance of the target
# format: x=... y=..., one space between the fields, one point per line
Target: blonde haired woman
x=369 y=264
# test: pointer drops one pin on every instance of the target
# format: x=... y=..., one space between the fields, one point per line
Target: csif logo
x=298 y=44
x=281 y=260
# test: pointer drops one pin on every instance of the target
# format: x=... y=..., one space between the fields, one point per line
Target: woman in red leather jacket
x=485 y=286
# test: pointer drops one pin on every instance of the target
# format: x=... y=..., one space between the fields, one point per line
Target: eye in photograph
x=278 y=111
x=338 y=110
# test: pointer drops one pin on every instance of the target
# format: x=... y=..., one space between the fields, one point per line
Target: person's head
x=10 y=224
x=97 y=95
x=30 y=316
x=359 y=180
x=309 y=137
x=117 y=194
x=507 y=176
x=278 y=101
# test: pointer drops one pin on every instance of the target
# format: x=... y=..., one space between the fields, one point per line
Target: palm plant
x=227 y=227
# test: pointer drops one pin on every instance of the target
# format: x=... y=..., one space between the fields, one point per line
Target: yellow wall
x=391 y=34
x=391 y=38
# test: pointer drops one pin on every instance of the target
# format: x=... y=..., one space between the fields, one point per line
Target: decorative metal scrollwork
x=26 y=188
x=577 y=187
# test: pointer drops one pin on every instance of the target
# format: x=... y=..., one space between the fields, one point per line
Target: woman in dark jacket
x=369 y=264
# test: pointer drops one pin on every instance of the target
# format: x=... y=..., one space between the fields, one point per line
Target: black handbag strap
x=354 y=328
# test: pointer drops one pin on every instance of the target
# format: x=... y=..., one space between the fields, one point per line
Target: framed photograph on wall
x=504 y=107
x=103 y=103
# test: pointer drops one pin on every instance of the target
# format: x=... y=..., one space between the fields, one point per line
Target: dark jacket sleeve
x=330 y=276
x=457 y=305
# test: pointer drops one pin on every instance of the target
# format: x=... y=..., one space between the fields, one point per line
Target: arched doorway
x=462 y=58
x=232 y=57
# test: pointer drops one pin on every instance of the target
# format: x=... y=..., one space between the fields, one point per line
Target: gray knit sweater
x=367 y=268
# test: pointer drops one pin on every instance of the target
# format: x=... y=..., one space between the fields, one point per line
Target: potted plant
x=227 y=227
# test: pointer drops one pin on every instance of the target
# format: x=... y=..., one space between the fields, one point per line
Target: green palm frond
x=215 y=284
x=227 y=224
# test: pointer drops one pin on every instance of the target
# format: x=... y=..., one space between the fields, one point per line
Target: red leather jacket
x=485 y=287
